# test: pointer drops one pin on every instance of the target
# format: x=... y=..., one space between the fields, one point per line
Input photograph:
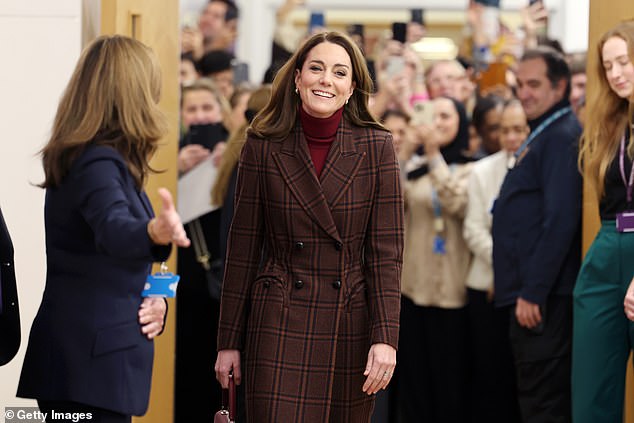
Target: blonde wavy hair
x=112 y=99
x=258 y=100
x=610 y=116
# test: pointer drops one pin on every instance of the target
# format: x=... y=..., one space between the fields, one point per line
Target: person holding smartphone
x=203 y=108
x=400 y=80
x=604 y=295
x=432 y=354
x=493 y=392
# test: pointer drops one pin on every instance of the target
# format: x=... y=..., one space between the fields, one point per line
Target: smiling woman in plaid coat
x=310 y=302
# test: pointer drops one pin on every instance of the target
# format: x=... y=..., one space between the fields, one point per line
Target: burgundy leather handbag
x=227 y=414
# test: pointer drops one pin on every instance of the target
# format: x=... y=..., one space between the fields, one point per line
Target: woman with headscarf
x=432 y=348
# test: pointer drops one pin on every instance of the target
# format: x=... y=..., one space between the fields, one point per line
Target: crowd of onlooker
x=458 y=126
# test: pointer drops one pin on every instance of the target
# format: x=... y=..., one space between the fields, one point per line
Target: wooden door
x=156 y=23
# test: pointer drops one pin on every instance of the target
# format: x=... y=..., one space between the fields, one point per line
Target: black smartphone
x=417 y=16
x=207 y=135
x=317 y=20
x=240 y=72
x=491 y=3
x=399 y=31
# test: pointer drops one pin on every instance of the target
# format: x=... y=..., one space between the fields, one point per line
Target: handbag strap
x=229 y=398
x=199 y=243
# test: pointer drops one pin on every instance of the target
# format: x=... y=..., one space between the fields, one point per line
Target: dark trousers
x=66 y=411
x=196 y=391
x=492 y=392
x=543 y=364
x=432 y=364
x=603 y=336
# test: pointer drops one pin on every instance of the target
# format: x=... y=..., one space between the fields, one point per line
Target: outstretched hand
x=167 y=226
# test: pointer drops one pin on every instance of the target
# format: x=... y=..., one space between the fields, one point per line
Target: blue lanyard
x=628 y=184
x=540 y=129
x=435 y=201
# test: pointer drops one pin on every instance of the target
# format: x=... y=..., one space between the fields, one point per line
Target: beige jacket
x=431 y=279
x=484 y=187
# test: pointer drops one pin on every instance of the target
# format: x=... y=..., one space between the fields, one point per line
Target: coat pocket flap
x=116 y=338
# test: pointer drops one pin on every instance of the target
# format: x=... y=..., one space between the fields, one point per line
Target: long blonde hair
x=111 y=98
x=610 y=116
x=278 y=117
x=259 y=98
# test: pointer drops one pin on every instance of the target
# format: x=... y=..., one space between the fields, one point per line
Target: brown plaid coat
x=313 y=273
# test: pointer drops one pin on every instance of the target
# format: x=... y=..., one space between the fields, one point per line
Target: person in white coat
x=493 y=385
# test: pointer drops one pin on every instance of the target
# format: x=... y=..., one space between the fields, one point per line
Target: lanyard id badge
x=438 y=246
x=161 y=284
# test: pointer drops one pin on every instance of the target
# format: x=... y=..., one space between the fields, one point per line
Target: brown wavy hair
x=278 y=117
x=111 y=99
x=258 y=100
x=610 y=116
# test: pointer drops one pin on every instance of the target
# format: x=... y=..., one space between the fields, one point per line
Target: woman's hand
x=628 y=302
x=218 y=152
x=190 y=155
x=152 y=316
x=227 y=361
x=380 y=368
x=192 y=42
x=167 y=226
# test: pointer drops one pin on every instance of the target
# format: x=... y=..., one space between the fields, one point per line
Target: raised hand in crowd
x=192 y=42
x=533 y=21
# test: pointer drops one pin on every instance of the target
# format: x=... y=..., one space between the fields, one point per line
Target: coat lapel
x=341 y=165
x=298 y=172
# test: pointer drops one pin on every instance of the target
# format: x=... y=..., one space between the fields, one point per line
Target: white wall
x=39 y=44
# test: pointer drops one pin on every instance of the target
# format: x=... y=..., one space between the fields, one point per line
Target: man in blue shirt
x=536 y=239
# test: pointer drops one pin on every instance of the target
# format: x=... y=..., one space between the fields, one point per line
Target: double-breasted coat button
x=338 y=246
x=299 y=245
x=299 y=284
x=267 y=284
x=336 y=284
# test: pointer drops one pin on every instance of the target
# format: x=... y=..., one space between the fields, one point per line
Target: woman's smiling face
x=446 y=120
x=325 y=81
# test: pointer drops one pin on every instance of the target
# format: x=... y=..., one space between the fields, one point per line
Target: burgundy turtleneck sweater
x=320 y=134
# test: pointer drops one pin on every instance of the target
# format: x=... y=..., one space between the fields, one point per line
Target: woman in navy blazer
x=90 y=348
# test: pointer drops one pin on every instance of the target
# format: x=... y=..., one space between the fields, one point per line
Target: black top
x=615 y=199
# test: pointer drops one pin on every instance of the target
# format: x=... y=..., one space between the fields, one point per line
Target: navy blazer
x=9 y=310
x=86 y=344
x=537 y=217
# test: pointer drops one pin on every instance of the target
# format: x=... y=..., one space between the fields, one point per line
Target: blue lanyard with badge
x=439 y=224
x=161 y=284
x=531 y=137
x=625 y=220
